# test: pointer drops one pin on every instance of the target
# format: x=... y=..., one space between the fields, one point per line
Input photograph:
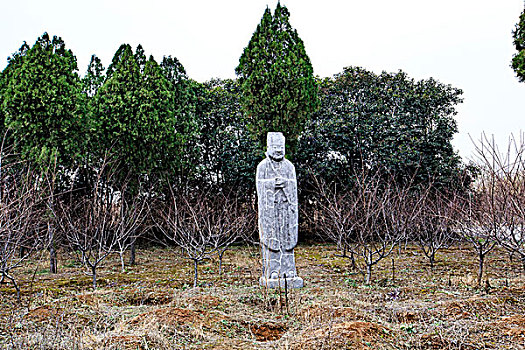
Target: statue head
x=275 y=146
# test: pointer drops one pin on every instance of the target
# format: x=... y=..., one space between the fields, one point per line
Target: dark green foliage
x=41 y=101
x=140 y=116
x=173 y=70
x=387 y=122
x=155 y=127
x=159 y=123
x=14 y=62
x=91 y=83
x=140 y=57
x=185 y=153
x=228 y=154
x=518 y=61
x=94 y=77
x=276 y=80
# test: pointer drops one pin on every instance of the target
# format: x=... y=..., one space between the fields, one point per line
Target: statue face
x=276 y=149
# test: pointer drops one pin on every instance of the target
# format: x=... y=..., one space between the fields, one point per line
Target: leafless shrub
x=334 y=217
x=368 y=219
x=501 y=191
x=247 y=210
x=201 y=223
x=478 y=224
x=19 y=194
x=18 y=238
x=100 y=222
x=386 y=211
x=132 y=213
x=434 y=226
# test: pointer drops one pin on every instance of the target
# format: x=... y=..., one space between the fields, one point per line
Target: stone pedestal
x=294 y=282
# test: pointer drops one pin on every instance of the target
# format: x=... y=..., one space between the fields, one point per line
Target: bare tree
x=478 y=224
x=19 y=194
x=52 y=237
x=386 y=210
x=433 y=229
x=335 y=215
x=368 y=219
x=482 y=211
x=200 y=223
x=233 y=220
x=132 y=212
x=90 y=224
x=502 y=186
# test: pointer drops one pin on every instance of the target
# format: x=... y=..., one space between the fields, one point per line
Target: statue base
x=293 y=282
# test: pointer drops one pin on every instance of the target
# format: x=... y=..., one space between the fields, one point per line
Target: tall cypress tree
x=43 y=107
x=94 y=77
x=140 y=117
x=41 y=100
x=142 y=120
x=14 y=63
x=115 y=107
x=278 y=90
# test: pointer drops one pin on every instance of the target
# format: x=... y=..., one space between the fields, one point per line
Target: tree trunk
x=52 y=259
x=480 y=268
x=122 y=265
x=220 y=262
x=352 y=259
x=368 y=273
x=94 y=273
x=196 y=272
x=432 y=261
x=14 y=284
x=132 y=251
x=22 y=252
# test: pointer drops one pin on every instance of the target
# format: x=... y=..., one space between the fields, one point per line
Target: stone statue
x=278 y=215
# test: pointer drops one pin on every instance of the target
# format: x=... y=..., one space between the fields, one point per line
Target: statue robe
x=278 y=217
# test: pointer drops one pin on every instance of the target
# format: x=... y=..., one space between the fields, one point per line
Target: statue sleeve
x=293 y=214
x=265 y=201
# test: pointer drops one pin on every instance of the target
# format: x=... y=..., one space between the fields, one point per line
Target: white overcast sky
x=465 y=43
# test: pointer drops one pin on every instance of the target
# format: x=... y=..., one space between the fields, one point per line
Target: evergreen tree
x=94 y=77
x=91 y=83
x=278 y=90
x=6 y=75
x=228 y=155
x=518 y=61
x=138 y=117
x=140 y=57
x=42 y=102
x=43 y=107
x=387 y=122
x=183 y=103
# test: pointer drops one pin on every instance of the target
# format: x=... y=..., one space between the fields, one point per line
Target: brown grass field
x=153 y=306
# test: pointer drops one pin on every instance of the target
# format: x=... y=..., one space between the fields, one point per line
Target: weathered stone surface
x=278 y=215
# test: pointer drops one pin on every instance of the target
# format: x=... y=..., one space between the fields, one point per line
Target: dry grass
x=152 y=306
